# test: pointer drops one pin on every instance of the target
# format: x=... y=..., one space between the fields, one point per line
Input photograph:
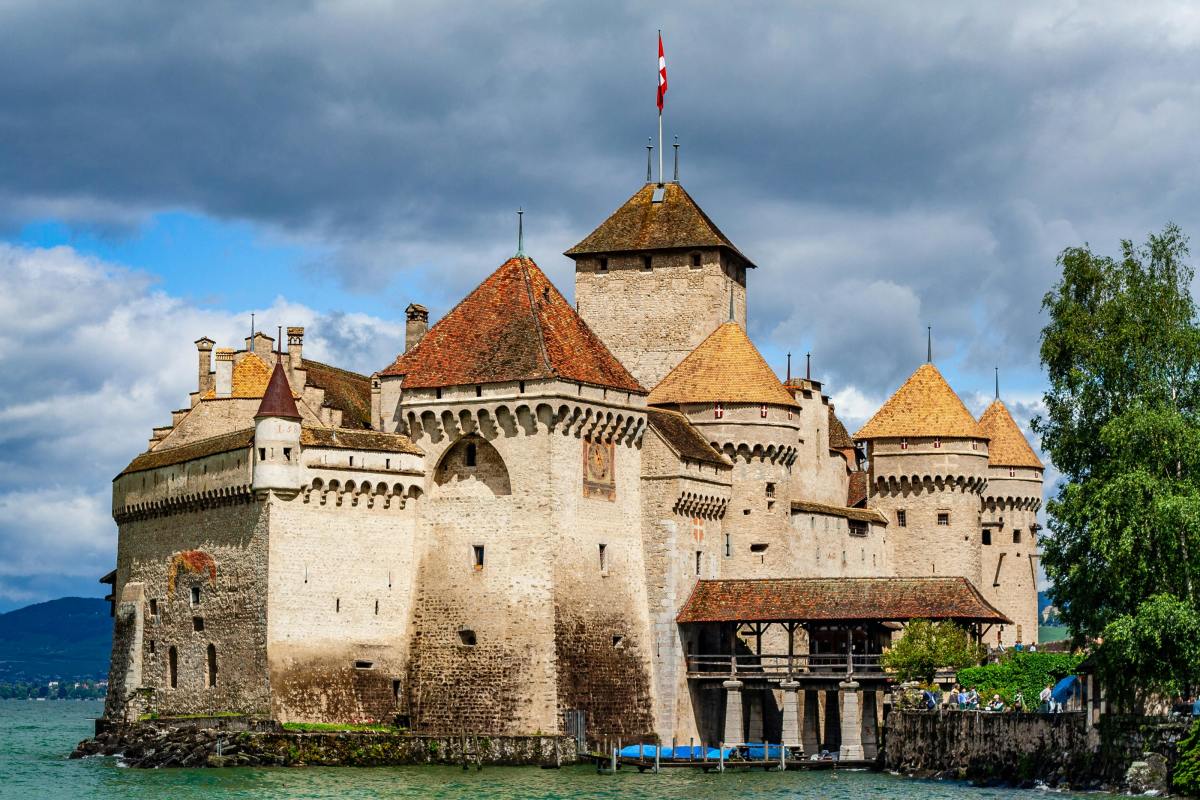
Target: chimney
x=224 y=382
x=418 y=323
x=295 y=338
x=204 y=346
x=262 y=346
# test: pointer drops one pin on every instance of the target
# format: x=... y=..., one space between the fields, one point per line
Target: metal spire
x=808 y=366
x=928 y=344
x=649 y=158
x=520 y=232
x=731 y=318
x=997 y=383
x=279 y=343
x=676 y=146
x=251 y=329
x=789 y=372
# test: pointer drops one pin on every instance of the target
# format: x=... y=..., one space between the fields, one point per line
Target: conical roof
x=1008 y=446
x=674 y=222
x=924 y=406
x=514 y=326
x=277 y=399
x=724 y=368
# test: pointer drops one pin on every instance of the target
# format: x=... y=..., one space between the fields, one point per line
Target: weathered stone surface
x=1148 y=775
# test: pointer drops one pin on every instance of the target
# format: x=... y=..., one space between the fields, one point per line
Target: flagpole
x=660 y=105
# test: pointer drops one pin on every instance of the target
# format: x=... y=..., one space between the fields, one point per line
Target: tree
x=925 y=647
x=1122 y=354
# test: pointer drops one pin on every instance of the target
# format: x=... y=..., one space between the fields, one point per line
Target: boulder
x=1148 y=775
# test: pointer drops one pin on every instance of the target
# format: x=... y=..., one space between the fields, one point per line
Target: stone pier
x=733 y=714
x=851 y=719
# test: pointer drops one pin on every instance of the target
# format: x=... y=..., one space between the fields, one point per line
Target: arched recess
x=472 y=466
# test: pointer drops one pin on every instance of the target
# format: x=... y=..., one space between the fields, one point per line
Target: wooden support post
x=791 y=632
x=657 y=757
x=782 y=757
x=614 y=761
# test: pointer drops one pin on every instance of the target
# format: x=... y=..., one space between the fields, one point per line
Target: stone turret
x=928 y=467
x=277 y=439
x=656 y=278
x=1010 y=506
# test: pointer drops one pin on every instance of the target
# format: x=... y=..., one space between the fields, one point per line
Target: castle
x=610 y=518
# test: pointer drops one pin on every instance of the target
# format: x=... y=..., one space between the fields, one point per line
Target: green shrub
x=1027 y=673
x=1186 y=779
x=925 y=647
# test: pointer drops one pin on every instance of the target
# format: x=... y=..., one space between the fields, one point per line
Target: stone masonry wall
x=651 y=320
x=231 y=608
x=1010 y=559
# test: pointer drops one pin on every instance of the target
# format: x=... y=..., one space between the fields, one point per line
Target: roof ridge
x=537 y=319
x=349 y=372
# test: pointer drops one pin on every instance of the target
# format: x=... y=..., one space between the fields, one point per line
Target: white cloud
x=93 y=357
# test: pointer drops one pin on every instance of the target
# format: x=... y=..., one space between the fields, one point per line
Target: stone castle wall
x=185 y=609
x=1009 y=551
x=651 y=319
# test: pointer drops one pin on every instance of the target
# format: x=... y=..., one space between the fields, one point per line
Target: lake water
x=35 y=739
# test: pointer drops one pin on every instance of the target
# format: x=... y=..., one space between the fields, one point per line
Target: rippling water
x=36 y=737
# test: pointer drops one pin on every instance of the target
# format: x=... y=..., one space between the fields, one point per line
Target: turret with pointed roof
x=277 y=399
x=277 y=438
x=656 y=277
x=924 y=405
x=725 y=368
x=1007 y=446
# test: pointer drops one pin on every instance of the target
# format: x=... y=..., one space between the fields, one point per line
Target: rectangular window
x=262 y=454
x=151 y=647
x=478 y=391
x=699 y=557
x=195 y=595
x=771 y=490
x=352 y=461
x=287 y=454
x=758 y=548
x=603 y=559
x=858 y=527
x=987 y=536
x=728 y=545
x=604 y=265
x=198 y=624
x=762 y=410
x=937 y=441
x=943 y=518
x=337 y=605
x=718 y=411
x=902 y=518
x=1016 y=535
x=647 y=263
x=477 y=551
x=695 y=259
x=153 y=607
x=904 y=444
x=1012 y=472
x=387 y=463
x=472 y=454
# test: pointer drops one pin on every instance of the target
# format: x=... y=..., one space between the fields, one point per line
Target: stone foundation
x=236 y=743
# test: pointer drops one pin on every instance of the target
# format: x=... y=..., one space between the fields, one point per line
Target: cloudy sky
x=167 y=169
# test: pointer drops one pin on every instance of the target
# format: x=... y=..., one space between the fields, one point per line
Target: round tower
x=928 y=467
x=1011 y=502
x=730 y=394
x=277 y=439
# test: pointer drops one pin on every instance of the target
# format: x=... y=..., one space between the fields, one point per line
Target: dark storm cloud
x=889 y=166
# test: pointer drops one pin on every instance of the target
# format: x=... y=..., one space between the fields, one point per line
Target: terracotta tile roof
x=277 y=399
x=641 y=224
x=856 y=492
x=224 y=443
x=514 y=326
x=683 y=437
x=924 y=406
x=859 y=514
x=839 y=439
x=1008 y=446
x=837 y=599
x=726 y=367
x=346 y=391
x=346 y=439
x=250 y=377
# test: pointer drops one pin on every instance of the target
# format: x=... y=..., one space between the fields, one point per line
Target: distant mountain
x=61 y=639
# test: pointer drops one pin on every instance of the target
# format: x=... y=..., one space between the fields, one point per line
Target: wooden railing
x=812 y=665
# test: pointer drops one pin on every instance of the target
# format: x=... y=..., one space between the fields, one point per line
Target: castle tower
x=928 y=467
x=1010 y=507
x=277 y=439
x=738 y=404
x=656 y=278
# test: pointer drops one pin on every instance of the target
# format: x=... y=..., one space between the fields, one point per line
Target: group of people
x=1019 y=647
x=965 y=699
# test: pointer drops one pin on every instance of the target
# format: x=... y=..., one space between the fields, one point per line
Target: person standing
x=1044 y=699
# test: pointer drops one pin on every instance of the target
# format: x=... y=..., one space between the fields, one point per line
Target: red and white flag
x=662 y=73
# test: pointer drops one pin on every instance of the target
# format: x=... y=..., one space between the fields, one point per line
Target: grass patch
x=332 y=727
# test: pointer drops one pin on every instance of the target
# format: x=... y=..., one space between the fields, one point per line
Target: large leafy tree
x=1122 y=423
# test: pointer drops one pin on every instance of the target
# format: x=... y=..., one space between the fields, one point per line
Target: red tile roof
x=674 y=223
x=277 y=399
x=856 y=492
x=837 y=599
x=514 y=326
x=683 y=437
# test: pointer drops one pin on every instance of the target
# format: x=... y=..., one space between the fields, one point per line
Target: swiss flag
x=662 y=73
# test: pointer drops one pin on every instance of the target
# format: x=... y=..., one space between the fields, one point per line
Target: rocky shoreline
x=216 y=743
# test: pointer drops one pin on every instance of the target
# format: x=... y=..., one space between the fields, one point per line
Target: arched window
x=173 y=666
x=212 y=665
x=472 y=466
